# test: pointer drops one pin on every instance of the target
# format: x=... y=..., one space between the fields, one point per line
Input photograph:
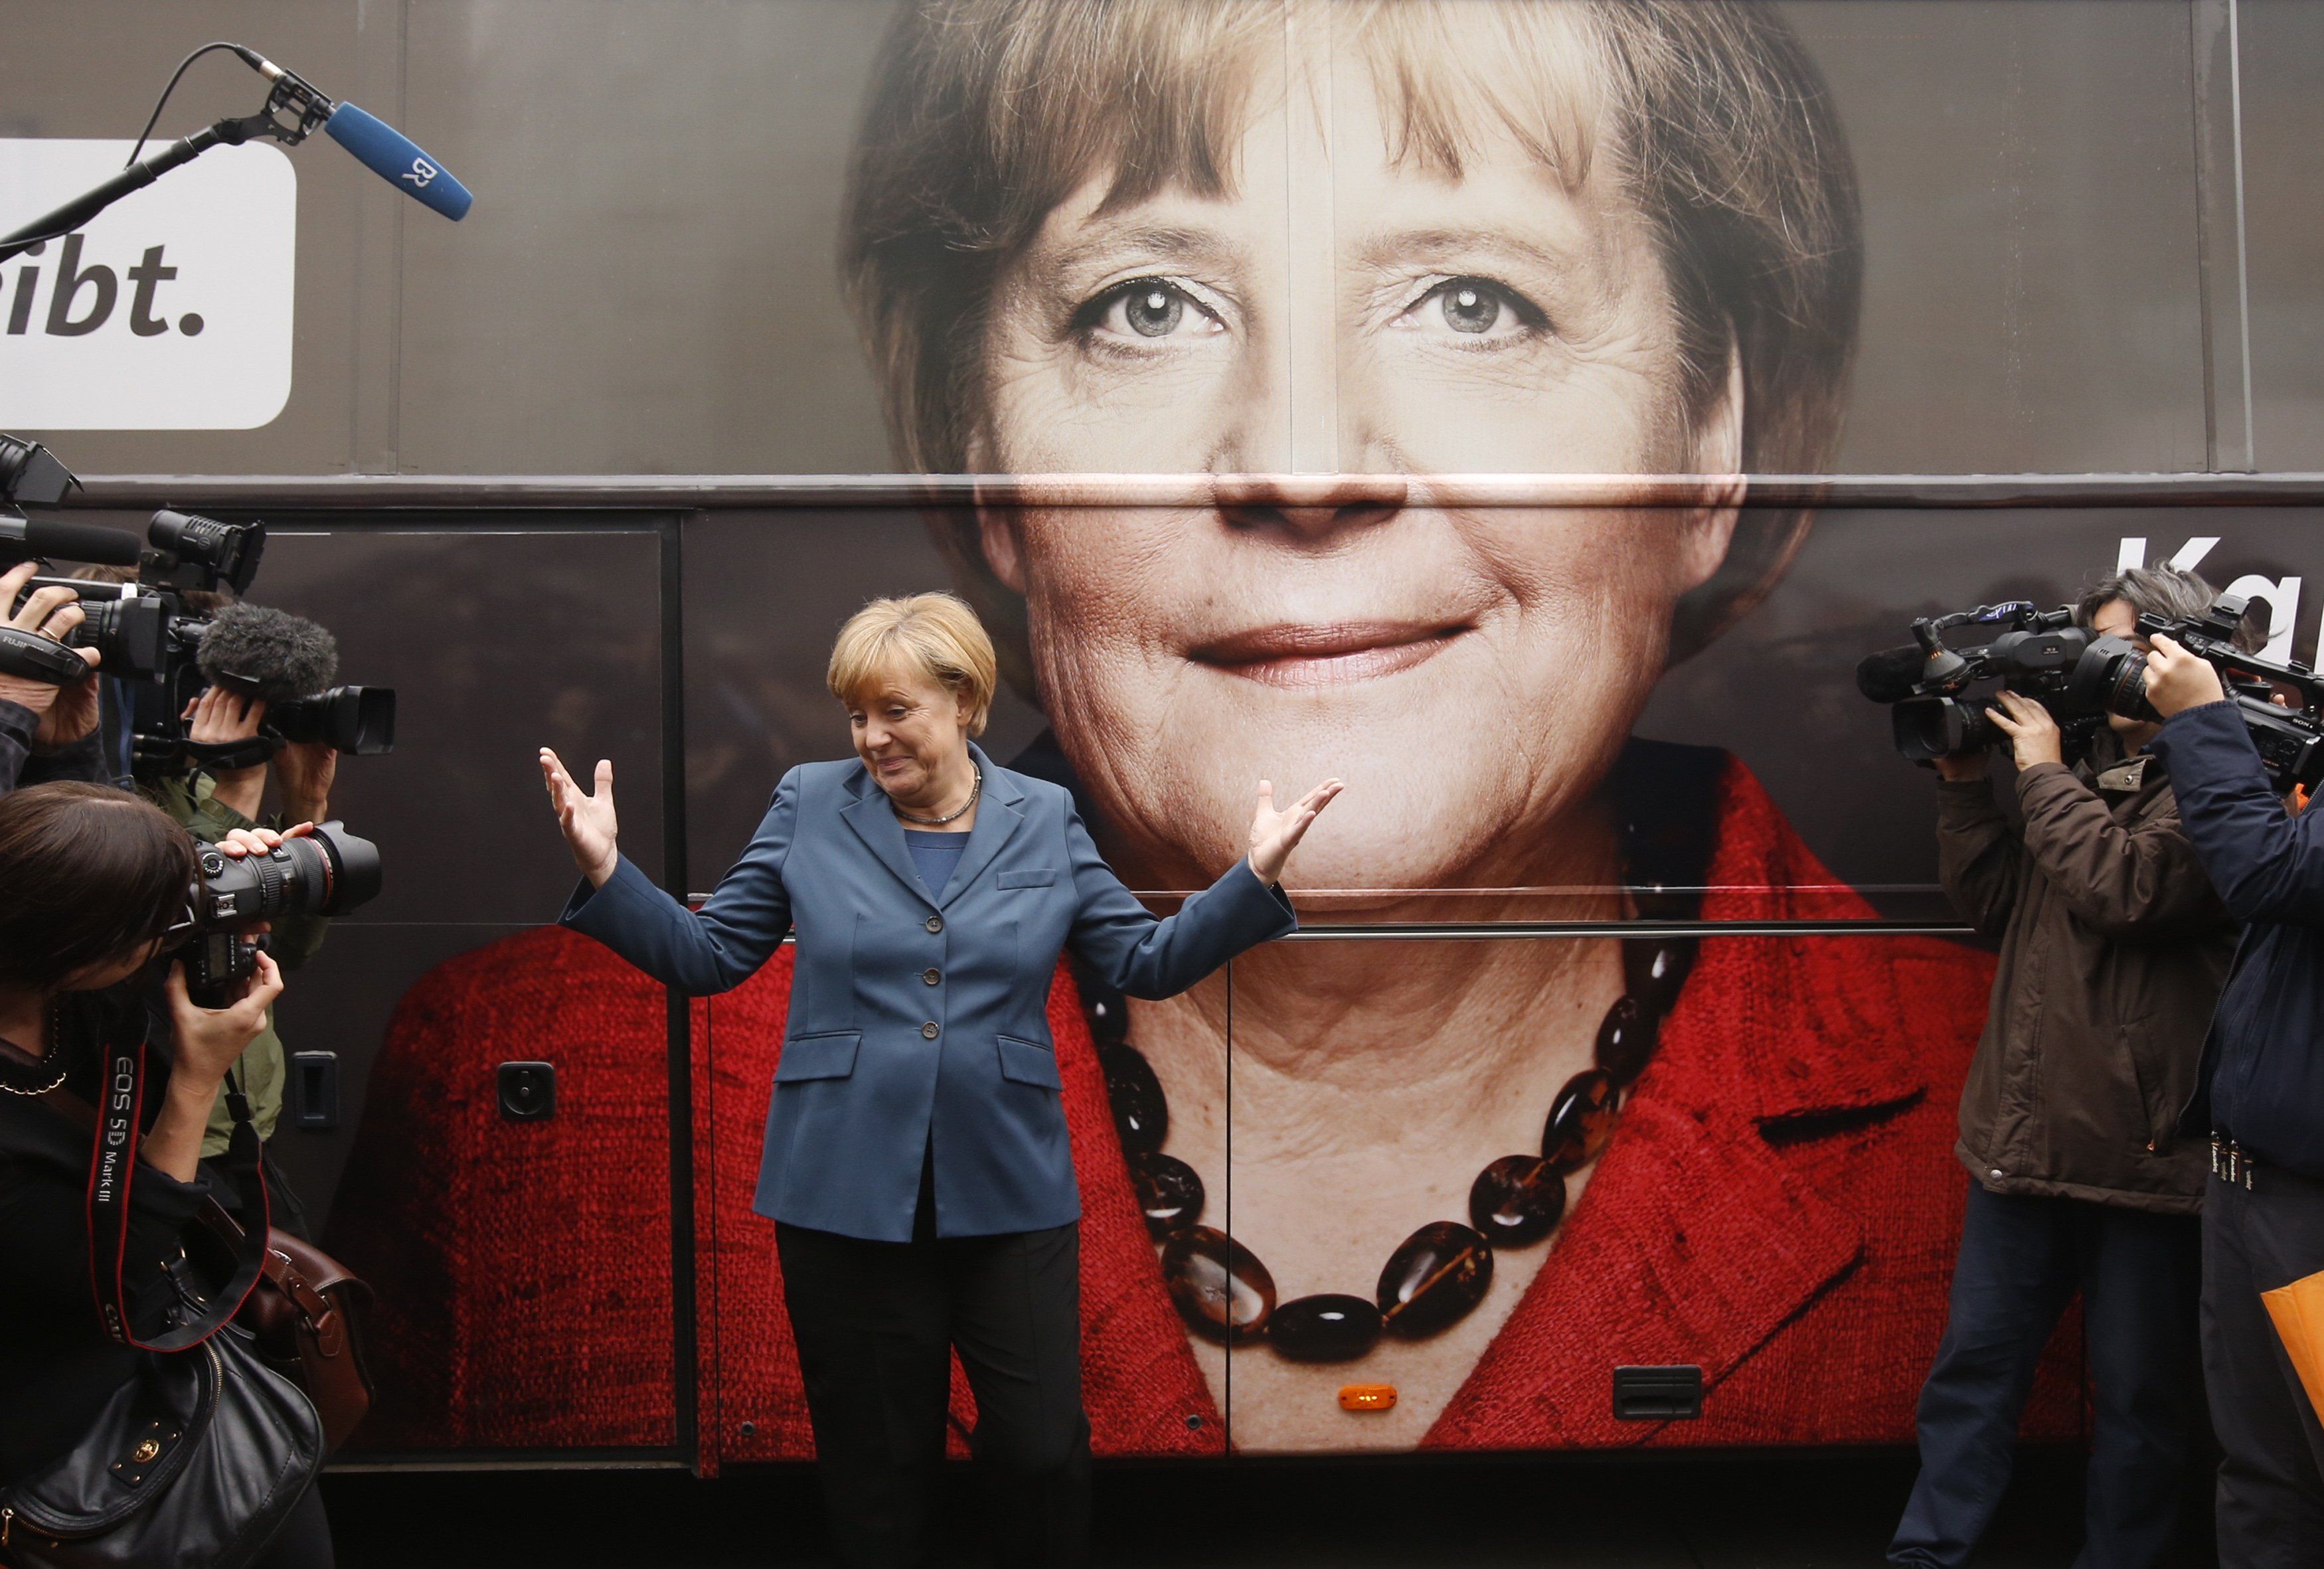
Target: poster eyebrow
x=1163 y=242
x=1394 y=245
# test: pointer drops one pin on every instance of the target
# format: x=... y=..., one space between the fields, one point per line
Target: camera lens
x=356 y=720
x=327 y=873
x=1930 y=727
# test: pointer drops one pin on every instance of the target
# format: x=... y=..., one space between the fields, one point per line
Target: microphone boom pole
x=295 y=109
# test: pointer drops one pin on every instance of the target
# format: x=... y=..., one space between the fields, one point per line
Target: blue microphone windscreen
x=395 y=158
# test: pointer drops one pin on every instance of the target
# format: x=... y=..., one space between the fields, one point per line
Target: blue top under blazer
x=920 y=1022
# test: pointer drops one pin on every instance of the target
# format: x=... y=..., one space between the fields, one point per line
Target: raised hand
x=588 y=821
x=2177 y=679
x=1274 y=834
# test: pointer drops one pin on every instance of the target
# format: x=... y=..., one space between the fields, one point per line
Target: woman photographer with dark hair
x=95 y=880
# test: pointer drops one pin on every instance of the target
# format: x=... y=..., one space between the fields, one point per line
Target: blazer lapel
x=999 y=815
x=875 y=822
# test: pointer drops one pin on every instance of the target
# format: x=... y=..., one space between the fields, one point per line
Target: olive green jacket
x=192 y=800
x=2113 y=950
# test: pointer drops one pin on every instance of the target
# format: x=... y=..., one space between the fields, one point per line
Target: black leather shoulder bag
x=195 y=1462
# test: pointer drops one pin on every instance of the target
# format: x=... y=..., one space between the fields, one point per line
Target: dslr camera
x=325 y=873
x=1939 y=693
x=165 y=637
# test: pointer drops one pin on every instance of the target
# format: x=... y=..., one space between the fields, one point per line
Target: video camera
x=164 y=639
x=324 y=873
x=2080 y=677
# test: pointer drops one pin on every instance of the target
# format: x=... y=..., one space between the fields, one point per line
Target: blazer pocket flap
x=1034 y=877
x=1028 y=1064
x=818 y=1056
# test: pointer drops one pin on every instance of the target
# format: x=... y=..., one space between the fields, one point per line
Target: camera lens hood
x=354 y=865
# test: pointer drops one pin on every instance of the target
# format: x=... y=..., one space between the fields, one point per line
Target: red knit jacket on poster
x=1779 y=1206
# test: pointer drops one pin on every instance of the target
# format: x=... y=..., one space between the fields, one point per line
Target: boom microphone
x=24 y=538
x=397 y=158
x=379 y=146
x=1890 y=675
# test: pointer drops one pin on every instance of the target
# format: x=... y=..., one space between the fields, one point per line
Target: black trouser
x=2271 y=1499
x=2021 y=1258
x=875 y=1324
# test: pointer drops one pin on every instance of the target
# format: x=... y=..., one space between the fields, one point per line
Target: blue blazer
x=918 y=1018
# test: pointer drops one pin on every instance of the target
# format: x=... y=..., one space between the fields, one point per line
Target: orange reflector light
x=1367 y=1397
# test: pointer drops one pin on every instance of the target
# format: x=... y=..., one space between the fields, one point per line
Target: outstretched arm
x=699 y=952
x=1145 y=956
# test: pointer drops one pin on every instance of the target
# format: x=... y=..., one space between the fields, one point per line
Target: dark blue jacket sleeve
x=2267 y=864
x=20 y=765
x=717 y=948
x=1145 y=956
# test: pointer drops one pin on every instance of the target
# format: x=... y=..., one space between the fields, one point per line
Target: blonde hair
x=933 y=635
x=985 y=115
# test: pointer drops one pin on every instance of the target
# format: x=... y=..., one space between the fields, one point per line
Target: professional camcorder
x=326 y=874
x=165 y=638
x=2080 y=677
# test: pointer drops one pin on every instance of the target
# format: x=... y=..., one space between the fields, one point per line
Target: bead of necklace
x=1440 y=1273
x=974 y=790
x=56 y=1045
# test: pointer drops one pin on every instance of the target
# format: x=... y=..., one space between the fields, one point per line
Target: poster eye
x=1476 y=309
x=1153 y=309
x=1470 y=307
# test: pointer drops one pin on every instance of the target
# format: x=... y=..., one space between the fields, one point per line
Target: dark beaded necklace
x=1442 y=1271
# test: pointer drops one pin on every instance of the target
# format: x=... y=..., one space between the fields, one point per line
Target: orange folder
x=2298 y=1310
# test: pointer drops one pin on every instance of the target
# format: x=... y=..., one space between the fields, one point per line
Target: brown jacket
x=2113 y=950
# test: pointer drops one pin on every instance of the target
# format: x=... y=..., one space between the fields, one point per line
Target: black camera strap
x=113 y=1166
x=247 y=753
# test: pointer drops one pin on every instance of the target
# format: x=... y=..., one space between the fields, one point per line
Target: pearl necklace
x=1441 y=1272
x=56 y=1044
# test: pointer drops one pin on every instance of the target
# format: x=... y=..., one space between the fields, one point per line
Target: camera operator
x=94 y=879
x=2113 y=947
x=209 y=805
x=2260 y=1096
x=46 y=733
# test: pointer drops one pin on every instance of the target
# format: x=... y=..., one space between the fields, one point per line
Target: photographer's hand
x=2177 y=681
x=1960 y=767
x=307 y=769
x=588 y=821
x=208 y=1042
x=66 y=713
x=2033 y=734
x=218 y=715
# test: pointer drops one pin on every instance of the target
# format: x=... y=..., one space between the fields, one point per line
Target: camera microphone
x=24 y=539
x=1892 y=675
x=267 y=654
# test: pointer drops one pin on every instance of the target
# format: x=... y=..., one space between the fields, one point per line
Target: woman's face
x=1468 y=669
x=911 y=732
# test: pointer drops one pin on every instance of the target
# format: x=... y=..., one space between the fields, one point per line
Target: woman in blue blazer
x=916 y=1164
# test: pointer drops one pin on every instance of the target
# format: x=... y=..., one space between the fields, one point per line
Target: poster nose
x=1310 y=504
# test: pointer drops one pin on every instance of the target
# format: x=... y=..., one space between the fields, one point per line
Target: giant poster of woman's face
x=1318 y=267
x=1389 y=243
